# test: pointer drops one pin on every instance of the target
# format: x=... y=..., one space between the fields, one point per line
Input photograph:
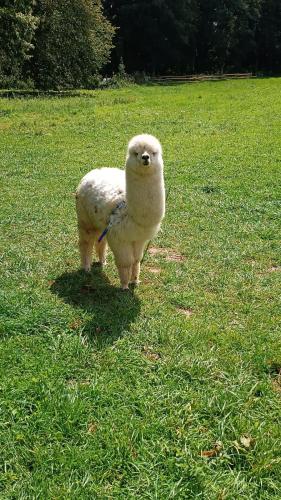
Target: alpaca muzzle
x=145 y=159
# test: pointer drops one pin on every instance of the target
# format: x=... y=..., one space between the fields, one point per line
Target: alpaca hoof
x=135 y=282
x=87 y=269
x=125 y=288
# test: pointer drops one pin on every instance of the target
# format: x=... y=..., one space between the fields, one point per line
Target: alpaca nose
x=145 y=157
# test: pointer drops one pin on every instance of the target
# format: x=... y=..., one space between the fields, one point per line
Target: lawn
x=172 y=390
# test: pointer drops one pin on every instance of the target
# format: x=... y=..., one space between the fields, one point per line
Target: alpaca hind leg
x=101 y=248
x=86 y=243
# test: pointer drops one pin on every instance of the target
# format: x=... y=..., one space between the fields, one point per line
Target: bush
x=12 y=82
x=73 y=42
x=17 y=30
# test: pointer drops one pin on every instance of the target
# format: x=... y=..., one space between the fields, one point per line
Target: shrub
x=73 y=42
x=17 y=30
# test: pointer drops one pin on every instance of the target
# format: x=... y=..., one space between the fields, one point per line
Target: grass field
x=174 y=390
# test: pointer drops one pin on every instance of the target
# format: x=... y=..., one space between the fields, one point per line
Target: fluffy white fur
x=141 y=185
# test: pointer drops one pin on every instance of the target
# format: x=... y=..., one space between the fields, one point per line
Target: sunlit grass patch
x=172 y=390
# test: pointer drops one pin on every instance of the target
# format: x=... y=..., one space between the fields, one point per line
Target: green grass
x=112 y=395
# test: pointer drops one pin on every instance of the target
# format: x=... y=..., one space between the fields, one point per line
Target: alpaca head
x=144 y=154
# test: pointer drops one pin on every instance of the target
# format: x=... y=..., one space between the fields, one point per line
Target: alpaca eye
x=136 y=154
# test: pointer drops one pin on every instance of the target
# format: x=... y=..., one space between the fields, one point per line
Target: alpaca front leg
x=124 y=257
x=86 y=243
x=135 y=273
x=138 y=249
x=124 y=275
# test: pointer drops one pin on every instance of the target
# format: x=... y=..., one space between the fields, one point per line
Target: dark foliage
x=68 y=43
x=227 y=35
x=154 y=36
x=269 y=36
x=165 y=36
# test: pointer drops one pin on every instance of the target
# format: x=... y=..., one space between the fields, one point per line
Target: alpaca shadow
x=111 y=310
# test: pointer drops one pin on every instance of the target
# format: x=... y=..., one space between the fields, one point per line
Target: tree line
x=71 y=43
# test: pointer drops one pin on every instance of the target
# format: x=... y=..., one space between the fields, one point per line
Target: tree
x=269 y=36
x=17 y=30
x=154 y=35
x=73 y=42
x=228 y=34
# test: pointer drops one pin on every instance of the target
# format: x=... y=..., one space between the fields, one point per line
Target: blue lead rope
x=120 y=205
x=105 y=231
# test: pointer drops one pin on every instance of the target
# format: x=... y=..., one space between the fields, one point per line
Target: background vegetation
x=172 y=391
x=70 y=43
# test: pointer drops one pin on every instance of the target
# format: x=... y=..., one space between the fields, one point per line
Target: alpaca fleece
x=141 y=187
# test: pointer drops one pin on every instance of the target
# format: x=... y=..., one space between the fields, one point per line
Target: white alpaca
x=130 y=203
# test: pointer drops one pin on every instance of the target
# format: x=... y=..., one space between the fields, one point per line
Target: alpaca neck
x=145 y=197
